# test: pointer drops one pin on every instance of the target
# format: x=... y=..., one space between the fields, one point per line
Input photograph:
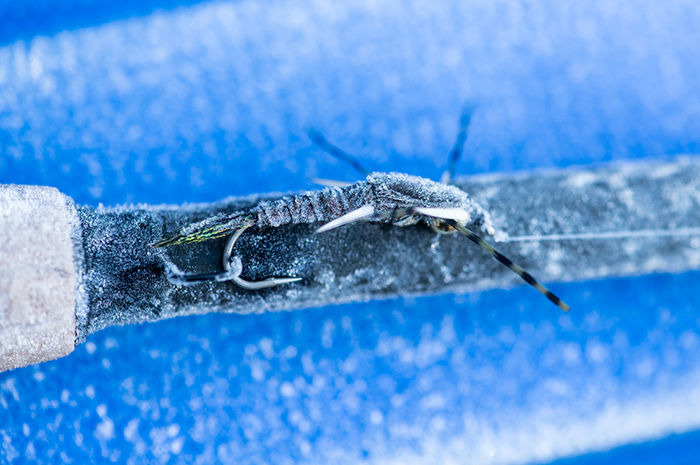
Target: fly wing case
x=399 y=190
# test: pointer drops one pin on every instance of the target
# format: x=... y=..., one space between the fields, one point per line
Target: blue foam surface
x=170 y=102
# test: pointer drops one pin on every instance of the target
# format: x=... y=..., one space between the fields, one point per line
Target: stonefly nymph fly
x=388 y=198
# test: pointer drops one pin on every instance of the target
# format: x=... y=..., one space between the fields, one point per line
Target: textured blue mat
x=680 y=449
x=171 y=102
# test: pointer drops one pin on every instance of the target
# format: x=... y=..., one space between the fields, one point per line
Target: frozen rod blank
x=620 y=219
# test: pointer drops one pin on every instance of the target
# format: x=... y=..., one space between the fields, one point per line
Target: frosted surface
x=199 y=102
x=128 y=281
x=37 y=275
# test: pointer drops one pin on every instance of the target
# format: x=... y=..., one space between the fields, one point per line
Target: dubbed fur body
x=384 y=192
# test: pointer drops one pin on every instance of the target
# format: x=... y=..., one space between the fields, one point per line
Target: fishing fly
x=397 y=199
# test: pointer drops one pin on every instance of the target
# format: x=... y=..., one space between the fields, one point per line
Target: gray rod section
x=635 y=217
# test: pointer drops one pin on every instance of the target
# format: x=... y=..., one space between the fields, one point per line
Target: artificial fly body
x=388 y=198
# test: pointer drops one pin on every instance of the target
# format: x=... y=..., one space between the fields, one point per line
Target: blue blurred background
x=184 y=101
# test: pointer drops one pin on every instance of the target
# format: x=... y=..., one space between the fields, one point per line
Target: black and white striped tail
x=527 y=277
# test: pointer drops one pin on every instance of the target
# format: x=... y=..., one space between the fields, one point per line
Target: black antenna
x=458 y=148
x=527 y=277
x=318 y=139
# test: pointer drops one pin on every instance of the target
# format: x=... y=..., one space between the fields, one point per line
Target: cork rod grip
x=37 y=275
